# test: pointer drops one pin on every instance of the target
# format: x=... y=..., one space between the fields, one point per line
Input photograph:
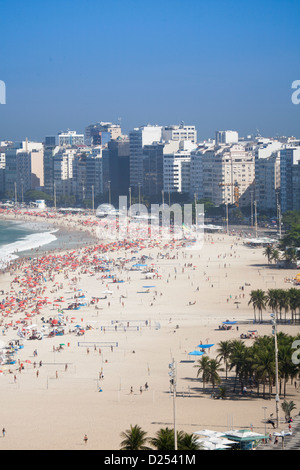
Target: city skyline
x=218 y=66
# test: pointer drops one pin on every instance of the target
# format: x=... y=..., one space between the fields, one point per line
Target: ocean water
x=17 y=238
x=29 y=239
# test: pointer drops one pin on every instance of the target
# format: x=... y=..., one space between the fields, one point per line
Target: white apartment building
x=2 y=171
x=63 y=170
x=70 y=138
x=24 y=166
x=226 y=137
x=179 y=133
x=267 y=173
x=224 y=174
x=177 y=172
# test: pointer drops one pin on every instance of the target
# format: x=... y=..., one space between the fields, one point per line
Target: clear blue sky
x=216 y=64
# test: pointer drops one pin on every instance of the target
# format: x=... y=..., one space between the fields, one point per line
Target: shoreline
x=61 y=234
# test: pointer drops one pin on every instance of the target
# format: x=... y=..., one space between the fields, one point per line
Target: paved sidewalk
x=290 y=442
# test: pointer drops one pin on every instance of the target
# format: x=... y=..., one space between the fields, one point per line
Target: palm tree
x=264 y=366
x=164 y=439
x=275 y=255
x=188 y=442
x=224 y=350
x=290 y=254
x=288 y=407
x=134 y=439
x=237 y=358
x=272 y=299
x=294 y=301
x=213 y=374
x=203 y=367
x=258 y=298
x=268 y=252
x=283 y=301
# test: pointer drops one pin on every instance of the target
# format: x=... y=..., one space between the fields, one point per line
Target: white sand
x=46 y=412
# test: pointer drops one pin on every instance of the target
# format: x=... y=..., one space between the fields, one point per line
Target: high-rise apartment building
x=118 y=166
x=267 y=174
x=24 y=167
x=224 y=174
x=49 y=147
x=296 y=186
x=70 y=138
x=177 y=172
x=227 y=137
x=289 y=157
x=138 y=138
x=63 y=171
x=153 y=169
x=87 y=176
x=101 y=133
x=179 y=133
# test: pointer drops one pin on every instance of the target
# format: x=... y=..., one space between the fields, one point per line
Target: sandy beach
x=130 y=329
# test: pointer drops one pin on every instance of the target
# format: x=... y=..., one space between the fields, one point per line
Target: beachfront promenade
x=290 y=442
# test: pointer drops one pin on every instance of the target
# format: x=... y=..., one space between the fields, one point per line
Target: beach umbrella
x=196 y=353
x=205 y=346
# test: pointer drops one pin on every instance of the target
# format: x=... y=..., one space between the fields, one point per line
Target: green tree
x=275 y=256
x=213 y=373
x=268 y=252
x=134 y=439
x=264 y=366
x=224 y=351
x=188 y=442
x=164 y=439
x=258 y=298
x=288 y=407
x=203 y=367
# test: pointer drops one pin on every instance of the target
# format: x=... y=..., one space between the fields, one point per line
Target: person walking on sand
x=85 y=439
x=3 y=432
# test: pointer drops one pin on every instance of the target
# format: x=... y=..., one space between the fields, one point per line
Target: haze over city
x=217 y=65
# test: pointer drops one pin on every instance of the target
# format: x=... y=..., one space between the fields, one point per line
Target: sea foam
x=10 y=251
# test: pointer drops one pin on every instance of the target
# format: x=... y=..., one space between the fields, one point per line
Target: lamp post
x=109 y=193
x=255 y=218
x=172 y=374
x=54 y=189
x=93 y=199
x=16 y=197
x=139 y=185
x=264 y=408
x=274 y=332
